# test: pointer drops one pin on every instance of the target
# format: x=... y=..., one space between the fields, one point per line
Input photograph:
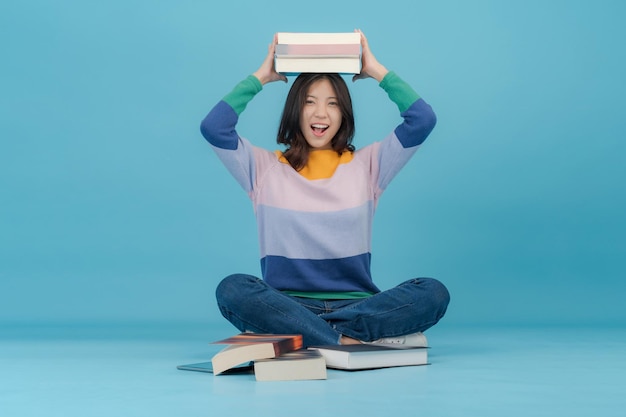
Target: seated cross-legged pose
x=314 y=204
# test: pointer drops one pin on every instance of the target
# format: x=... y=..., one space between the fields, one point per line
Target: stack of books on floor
x=318 y=52
x=272 y=357
x=281 y=357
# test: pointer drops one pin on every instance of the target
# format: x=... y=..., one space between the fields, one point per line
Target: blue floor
x=487 y=371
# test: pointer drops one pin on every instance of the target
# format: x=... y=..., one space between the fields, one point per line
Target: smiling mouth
x=318 y=129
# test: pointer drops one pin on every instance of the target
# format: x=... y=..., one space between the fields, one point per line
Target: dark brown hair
x=289 y=132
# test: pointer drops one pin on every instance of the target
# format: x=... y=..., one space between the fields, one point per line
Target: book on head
x=313 y=38
x=247 y=347
x=318 y=52
x=324 y=65
x=291 y=366
x=358 y=357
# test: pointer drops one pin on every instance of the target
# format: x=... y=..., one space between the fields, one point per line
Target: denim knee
x=230 y=289
x=437 y=289
x=440 y=296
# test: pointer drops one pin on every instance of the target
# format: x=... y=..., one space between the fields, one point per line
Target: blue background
x=114 y=209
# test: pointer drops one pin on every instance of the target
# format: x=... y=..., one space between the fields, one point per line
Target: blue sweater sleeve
x=419 y=117
x=218 y=127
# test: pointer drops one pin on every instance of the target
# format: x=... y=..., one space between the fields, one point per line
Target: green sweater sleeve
x=399 y=91
x=243 y=92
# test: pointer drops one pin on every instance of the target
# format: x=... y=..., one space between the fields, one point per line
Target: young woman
x=314 y=205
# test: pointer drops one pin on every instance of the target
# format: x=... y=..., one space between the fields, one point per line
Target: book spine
x=288 y=345
x=340 y=65
x=288 y=57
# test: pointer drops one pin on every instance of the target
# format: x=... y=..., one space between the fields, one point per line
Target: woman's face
x=321 y=116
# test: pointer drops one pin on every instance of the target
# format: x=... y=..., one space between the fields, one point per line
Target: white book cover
x=317 y=64
x=310 y=38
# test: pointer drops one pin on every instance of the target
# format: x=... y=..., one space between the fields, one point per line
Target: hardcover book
x=247 y=347
x=244 y=368
x=357 y=357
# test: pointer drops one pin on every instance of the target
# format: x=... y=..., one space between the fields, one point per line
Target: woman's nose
x=320 y=111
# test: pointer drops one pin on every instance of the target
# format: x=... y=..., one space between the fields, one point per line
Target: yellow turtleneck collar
x=322 y=163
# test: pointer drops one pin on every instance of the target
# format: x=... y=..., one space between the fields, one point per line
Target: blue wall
x=113 y=207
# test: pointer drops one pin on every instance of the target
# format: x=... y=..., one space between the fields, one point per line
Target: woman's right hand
x=266 y=72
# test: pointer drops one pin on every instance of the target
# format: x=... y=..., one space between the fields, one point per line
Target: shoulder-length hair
x=289 y=133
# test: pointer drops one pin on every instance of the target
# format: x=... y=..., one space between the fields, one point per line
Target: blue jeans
x=250 y=304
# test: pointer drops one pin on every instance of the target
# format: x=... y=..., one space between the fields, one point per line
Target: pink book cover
x=286 y=50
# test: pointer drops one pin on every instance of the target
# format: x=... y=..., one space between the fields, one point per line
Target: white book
x=324 y=64
x=303 y=38
x=354 y=357
x=292 y=366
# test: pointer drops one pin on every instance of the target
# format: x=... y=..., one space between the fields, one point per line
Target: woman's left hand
x=370 y=67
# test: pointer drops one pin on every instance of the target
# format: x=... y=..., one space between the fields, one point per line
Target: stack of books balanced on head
x=298 y=52
x=281 y=357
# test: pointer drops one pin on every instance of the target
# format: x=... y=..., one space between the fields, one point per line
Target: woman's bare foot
x=345 y=340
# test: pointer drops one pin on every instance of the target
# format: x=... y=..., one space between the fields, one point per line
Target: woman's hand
x=266 y=72
x=370 y=67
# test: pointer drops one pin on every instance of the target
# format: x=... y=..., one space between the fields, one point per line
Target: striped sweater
x=315 y=225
